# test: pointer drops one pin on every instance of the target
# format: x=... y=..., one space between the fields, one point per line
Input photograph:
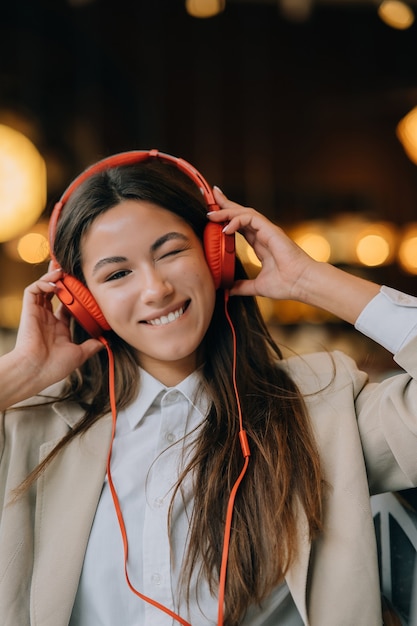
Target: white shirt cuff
x=390 y=319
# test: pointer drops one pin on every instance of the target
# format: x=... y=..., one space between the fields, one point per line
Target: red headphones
x=219 y=248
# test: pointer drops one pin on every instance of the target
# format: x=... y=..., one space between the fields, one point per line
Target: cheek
x=113 y=304
x=202 y=270
x=208 y=294
x=204 y=283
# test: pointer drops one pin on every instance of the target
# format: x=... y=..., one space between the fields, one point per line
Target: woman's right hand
x=44 y=352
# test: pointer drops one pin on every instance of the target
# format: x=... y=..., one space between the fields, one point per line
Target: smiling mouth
x=167 y=319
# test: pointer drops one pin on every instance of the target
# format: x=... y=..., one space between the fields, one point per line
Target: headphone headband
x=128 y=158
x=137 y=156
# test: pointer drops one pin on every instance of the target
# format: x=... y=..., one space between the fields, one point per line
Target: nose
x=154 y=286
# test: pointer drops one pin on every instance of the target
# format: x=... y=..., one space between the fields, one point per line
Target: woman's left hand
x=288 y=273
x=284 y=264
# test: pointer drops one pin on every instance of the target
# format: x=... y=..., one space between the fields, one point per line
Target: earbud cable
x=229 y=513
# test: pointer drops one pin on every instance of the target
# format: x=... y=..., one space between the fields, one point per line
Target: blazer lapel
x=68 y=493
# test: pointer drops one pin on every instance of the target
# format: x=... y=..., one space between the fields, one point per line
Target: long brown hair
x=284 y=466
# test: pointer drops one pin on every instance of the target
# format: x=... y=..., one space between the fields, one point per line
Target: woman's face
x=147 y=271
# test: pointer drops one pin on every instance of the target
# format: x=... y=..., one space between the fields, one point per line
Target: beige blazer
x=367 y=436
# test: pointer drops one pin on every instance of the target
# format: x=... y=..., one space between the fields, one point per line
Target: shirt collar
x=150 y=388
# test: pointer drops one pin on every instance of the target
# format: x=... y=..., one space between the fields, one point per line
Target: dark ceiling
x=123 y=74
x=297 y=118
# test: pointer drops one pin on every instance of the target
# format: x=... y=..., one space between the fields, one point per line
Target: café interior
x=303 y=109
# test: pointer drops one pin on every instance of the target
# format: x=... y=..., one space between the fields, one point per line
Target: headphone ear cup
x=80 y=303
x=219 y=249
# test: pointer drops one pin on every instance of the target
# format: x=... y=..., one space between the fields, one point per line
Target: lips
x=172 y=316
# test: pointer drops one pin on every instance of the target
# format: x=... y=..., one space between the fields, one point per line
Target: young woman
x=148 y=525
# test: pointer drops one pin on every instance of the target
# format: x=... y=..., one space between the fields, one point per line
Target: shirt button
x=170 y=437
x=156 y=579
x=158 y=502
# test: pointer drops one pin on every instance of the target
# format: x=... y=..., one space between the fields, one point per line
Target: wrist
x=20 y=378
x=308 y=287
x=336 y=291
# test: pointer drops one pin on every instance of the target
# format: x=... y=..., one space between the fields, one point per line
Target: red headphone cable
x=116 y=498
x=229 y=513
x=246 y=454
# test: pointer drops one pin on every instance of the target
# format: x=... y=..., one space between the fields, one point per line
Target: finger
x=53 y=265
x=91 y=347
x=62 y=314
x=45 y=284
x=236 y=217
x=52 y=274
x=242 y=223
x=243 y=288
x=45 y=300
x=37 y=291
x=224 y=202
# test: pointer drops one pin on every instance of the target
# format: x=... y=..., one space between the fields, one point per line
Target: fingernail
x=218 y=188
x=225 y=229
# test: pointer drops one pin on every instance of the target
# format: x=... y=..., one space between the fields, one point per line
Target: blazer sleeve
x=387 y=421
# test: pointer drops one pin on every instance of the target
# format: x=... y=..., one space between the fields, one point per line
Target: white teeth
x=166 y=319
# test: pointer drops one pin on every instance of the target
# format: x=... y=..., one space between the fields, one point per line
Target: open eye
x=117 y=275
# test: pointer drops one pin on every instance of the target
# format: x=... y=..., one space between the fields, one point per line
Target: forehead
x=132 y=222
x=140 y=216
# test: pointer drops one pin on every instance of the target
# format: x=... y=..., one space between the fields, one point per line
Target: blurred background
x=300 y=108
x=304 y=109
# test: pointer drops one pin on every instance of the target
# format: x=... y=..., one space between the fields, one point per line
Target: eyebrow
x=108 y=260
x=167 y=237
x=154 y=247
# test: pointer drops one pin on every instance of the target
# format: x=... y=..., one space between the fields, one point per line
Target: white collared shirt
x=147 y=451
x=389 y=319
